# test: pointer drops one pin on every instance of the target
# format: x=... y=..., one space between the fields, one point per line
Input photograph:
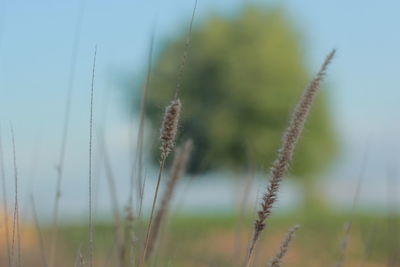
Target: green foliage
x=242 y=80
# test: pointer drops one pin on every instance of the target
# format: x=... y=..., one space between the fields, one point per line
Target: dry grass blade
x=285 y=154
x=179 y=165
x=5 y=205
x=90 y=162
x=276 y=261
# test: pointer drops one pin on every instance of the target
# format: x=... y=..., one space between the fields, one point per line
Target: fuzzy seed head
x=169 y=127
x=277 y=260
x=285 y=154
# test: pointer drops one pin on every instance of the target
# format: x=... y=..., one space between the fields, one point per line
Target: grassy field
x=222 y=240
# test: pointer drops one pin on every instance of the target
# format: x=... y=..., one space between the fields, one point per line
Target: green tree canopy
x=241 y=82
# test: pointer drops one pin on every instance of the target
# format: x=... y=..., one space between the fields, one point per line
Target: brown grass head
x=169 y=127
x=285 y=154
x=277 y=260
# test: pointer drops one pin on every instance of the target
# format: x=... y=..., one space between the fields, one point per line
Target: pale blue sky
x=37 y=36
x=36 y=39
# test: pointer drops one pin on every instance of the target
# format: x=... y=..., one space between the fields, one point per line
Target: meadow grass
x=316 y=243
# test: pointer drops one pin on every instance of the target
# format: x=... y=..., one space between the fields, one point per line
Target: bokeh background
x=247 y=65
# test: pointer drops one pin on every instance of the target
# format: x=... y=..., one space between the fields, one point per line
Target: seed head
x=169 y=127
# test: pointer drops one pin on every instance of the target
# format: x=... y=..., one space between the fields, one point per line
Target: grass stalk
x=5 y=205
x=285 y=154
x=90 y=161
x=179 y=166
x=138 y=163
x=277 y=260
x=185 y=53
x=169 y=129
x=65 y=131
x=16 y=228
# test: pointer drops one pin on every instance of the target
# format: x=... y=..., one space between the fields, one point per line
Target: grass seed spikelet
x=169 y=127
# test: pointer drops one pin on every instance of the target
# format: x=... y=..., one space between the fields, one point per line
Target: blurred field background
x=247 y=64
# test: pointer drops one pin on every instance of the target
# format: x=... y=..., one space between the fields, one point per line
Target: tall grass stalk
x=185 y=53
x=169 y=129
x=137 y=169
x=181 y=160
x=16 y=228
x=5 y=205
x=66 y=121
x=90 y=161
x=285 y=154
x=277 y=260
x=138 y=163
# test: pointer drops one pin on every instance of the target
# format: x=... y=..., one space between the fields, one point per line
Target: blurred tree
x=242 y=80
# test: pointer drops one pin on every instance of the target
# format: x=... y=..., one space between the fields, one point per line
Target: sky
x=36 y=55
